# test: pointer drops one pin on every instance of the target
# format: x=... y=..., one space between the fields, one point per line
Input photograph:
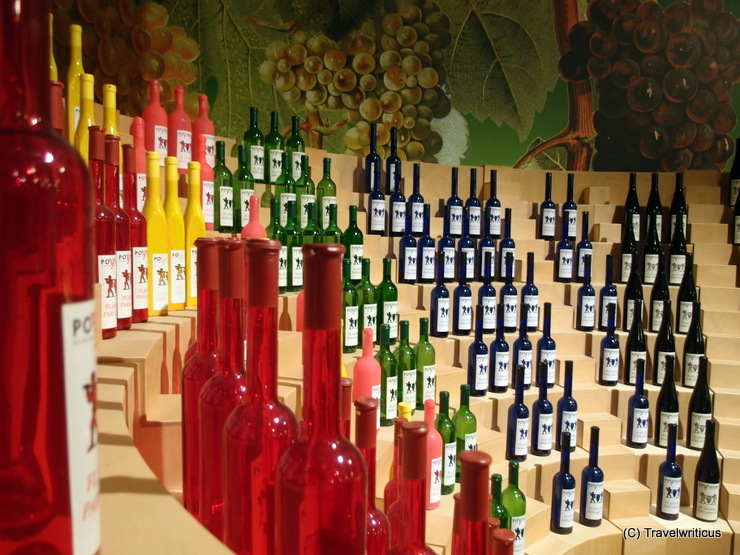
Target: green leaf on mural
x=552 y=159
x=503 y=59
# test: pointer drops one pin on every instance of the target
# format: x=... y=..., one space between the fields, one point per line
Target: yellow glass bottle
x=74 y=72
x=195 y=227
x=176 y=227
x=53 y=72
x=110 y=123
x=158 y=240
x=87 y=117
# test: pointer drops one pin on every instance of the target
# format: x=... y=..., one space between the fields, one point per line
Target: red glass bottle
x=346 y=401
x=139 y=167
x=474 y=502
x=112 y=200
x=180 y=133
x=299 y=311
x=503 y=542
x=48 y=444
x=258 y=431
x=366 y=434
x=199 y=368
x=456 y=537
x=206 y=180
x=203 y=127
x=139 y=257
x=321 y=480
x=155 y=124
x=434 y=457
x=225 y=390
x=367 y=371
x=254 y=229
x=105 y=236
x=56 y=102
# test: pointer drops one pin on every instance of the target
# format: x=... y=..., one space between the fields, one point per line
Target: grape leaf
x=503 y=59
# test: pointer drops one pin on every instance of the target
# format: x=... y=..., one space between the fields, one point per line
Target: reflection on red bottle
x=258 y=431
x=392 y=490
x=155 y=124
x=225 y=390
x=139 y=258
x=474 y=503
x=199 y=368
x=180 y=133
x=321 y=479
x=345 y=398
x=366 y=416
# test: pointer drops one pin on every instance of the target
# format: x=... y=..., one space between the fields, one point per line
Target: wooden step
x=625 y=499
x=723 y=373
x=701 y=232
x=709 y=213
x=719 y=298
x=714 y=253
x=728 y=432
x=715 y=275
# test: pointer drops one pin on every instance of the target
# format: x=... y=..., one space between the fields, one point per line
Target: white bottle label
x=567 y=507
x=488 y=305
x=673 y=224
x=297 y=267
x=656 y=315
x=685 y=313
x=610 y=363
x=160 y=271
x=141 y=278
x=465 y=314
x=582 y=254
x=295 y=158
x=456 y=216
x=510 y=311
x=676 y=270
x=660 y=365
x=474 y=220
x=417 y=217
x=492 y=267
x=481 y=372
x=594 y=500
x=409 y=264
x=698 y=428
x=691 y=368
x=124 y=289
x=533 y=310
x=494 y=220
x=284 y=199
x=356 y=253
x=398 y=217
x=107 y=276
x=443 y=315
x=548 y=356
x=449 y=463
x=469 y=255
x=636 y=226
x=630 y=313
x=375 y=394
x=307 y=199
x=177 y=276
x=525 y=359
x=471 y=442
x=391 y=172
x=160 y=142
x=226 y=207
x=427 y=263
x=671 y=495
x=435 y=480
x=570 y=424
x=257 y=162
x=565 y=263
x=651 y=267
x=544 y=432
x=78 y=341
x=244 y=196
x=430 y=381
x=141 y=191
x=351 y=319
x=207 y=201
x=210 y=149
x=501 y=372
x=707 y=497
x=377 y=218
x=184 y=140
x=634 y=357
x=548 y=222
x=572 y=217
x=409 y=386
x=666 y=419
x=734 y=188
x=390 y=316
x=283 y=267
x=370 y=317
x=193 y=277
x=522 y=435
x=640 y=425
x=659 y=225
x=327 y=201
x=449 y=262
x=276 y=164
x=737 y=231
x=626 y=266
x=518 y=524
x=391 y=397
x=605 y=309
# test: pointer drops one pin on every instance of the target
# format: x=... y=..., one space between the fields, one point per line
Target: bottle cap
x=322 y=270
x=474 y=467
x=346 y=399
x=414 y=450
x=112 y=145
x=366 y=433
x=503 y=540
x=404 y=409
x=129 y=159
x=97 y=143
x=207 y=256
x=231 y=281
x=262 y=260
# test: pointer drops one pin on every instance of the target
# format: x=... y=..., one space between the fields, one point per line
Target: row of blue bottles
x=548 y=212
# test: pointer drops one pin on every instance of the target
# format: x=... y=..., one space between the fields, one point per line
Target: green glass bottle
x=387 y=295
x=223 y=217
x=354 y=248
x=254 y=142
x=277 y=232
x=516 y=504
x=446 y=428
x=243 y=188
x=466 y=427
x=497 y=507
x=285 y=190
x=426 y=373
x=311 y=233
x=351 y=312
x=295 y=147
x=295 y=251
x=326 y=194
x=406 y=359
x=305 y=191
x=273 y=158
x=332 y=233
x=388 y=379
x=367 y=300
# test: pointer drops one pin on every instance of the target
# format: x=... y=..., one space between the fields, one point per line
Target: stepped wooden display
x=139 y=409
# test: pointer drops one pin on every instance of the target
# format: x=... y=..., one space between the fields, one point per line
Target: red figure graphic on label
x=126 y=279
x=162 y=142
x=111 y=283
x=142 y=273
x=209 y=198
x=143 y=193
x=92 y=398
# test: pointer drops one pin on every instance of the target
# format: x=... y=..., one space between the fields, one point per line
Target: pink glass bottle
x=48 y=444
x=224 y=391
x=139 y=258
x=321 y=480
x=258 y=431
x=390 y=491
x=474 y=503
x=180 y=133
x=366 y=409
x=112 y=200
x=203 y=127
x=105 y=236
x=345 y=397
x=139 y=168
x=367 y=371
x=434 y=457
x=199 y=368
x=155 y=124
x=206 y=180
x=254 y=229
x=394 y=488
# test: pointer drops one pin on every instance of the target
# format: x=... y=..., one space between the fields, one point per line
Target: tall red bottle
x=180 y=133
x=105 y=236
x=48 y=444
x=434 y=457
x=203 y=127
x=139 y=167
x=112 y=199
x=367 y=371
x=258 y=431
x=366 y=434
x=155 y=124
x=474 y=503
x=225 y=390
x=321 y=480
x=199 y=368
x=139 y=257
x=206 y=180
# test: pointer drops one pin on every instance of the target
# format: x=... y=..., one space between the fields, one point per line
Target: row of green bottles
x=231 y=191
x=265 y=151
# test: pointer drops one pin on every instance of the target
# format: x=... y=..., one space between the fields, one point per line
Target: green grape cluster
x=390 y=73
x=664 y=80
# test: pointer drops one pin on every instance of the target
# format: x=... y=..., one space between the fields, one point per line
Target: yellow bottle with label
x=195 y=227
x=87 y=117
x=176 y=227
x=74 y=72
x=158 y=240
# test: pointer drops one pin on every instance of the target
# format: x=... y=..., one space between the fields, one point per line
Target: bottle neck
x=321 y=408
x=514 y=476
x=111 y=195
x=413 y=495
x=640 y=384
x=568 y=386
x=519 y=391
x=565 y=460
x=444 y=406
x=530 y=271
x=670 y=455
x=207 y=302
x=274 y=122
x=262 y=352
x=464 y=400
x=548 y=190
x=254 y=118
x=369 y=454
x=593 y=454
x=231 y=335
x=129 y=193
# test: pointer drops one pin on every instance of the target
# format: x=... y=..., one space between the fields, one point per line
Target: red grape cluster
x=664 y=80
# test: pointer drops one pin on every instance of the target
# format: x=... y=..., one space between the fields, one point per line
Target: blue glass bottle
x=455 y=213
x=392 y=164
x=567 y=410
x=486 y=245
x=607 y=294
x=583 y=249
x=638 y=411
x=531 y=296
x=407 y=254
x=426 y=255
x=548 y=211
x=478 y=358
x=372 y=160
x=439 y=320
x=542 y=417
x=498 y=381
x=376 y=205
x=416 y=202
x=446 y=246
x=523 y=349
x=610 y=354
x=493 y=208
x=466 y=251
x=547 y=349
x=586 y=309
x=592 y=485
x=462 y=310
x=668 y=505
x=472 y=206
x=517 y=425
x=570 y=209
x=564 y=260
x=563 y=506
x=506 y=244
x=487 y=298
x=508 y=296
x=397 y=215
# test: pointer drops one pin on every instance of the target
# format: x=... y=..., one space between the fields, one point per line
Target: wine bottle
x=668 y=504
x=700 y=409
x=86 y=118
x=447 y=432
x=391 y=491
x=110 y=119
x=542 y=417
x=486 y=246
x=243 y=189
x=707 y=479
x=277 y=232
x=207 y=191
x=665 y=346
x=500 y=357
x=517 y=427
x=530 y=296
x=416 y=205
x=654 y=207
x=426 y=373
x=516 y=503
x=466 y=250
x=498 y=511
x=636 y=346
x=389 y=379
x=372 y=161
x=155 y=124
x=367 y=372
x=393 y=165
x=255 y=144
x=570 y=210
x=387 y=295
x=693 y=348
x=252 y=453
x=508 y=297
x=407 y=253
x=564 y=257
x=329 y=484
x=454 y=214
x=157 y=240
x=667 y=405
x=332 y=233
x=658 y=295
x=376 y=224
x=548 y=210
x=138 y=167
x=610 y=354
x=632 y=209
x=350 y=310
x=462 y=311
x=506 y=245
x=678 y=205
x=686 y=297
x=285 y=188
x=305 y=191
x=295 y=147
x=474 y=537
x=547 y=349
x=406 y=365
x=473 y=207
x=446 y=246
x=478 y=358
x=434 y=457
x=607 y=294
x=592 y=485
x=176 y=232
x=179 y=132
x=583 y=249
x=677 y=254
x=295 y=251
x=74 y=77
x=311 y=232
x=274 y=148
x=140 y=283
x=223 y=219
x=567 y=409
x=354 y=249
x=425 y=255
x=585 y=312
x=628 y=252
x=632 y=293
x=367 y=301
x=638 y=411
x=203 y=127
x=105 y=237
x=523 y=351
x=466 y=426
x=563 y=505
x=440 y=303
x=493 y=208
x=195 y=226
x=652 y=253
x=398 y=217
x=487 y=297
